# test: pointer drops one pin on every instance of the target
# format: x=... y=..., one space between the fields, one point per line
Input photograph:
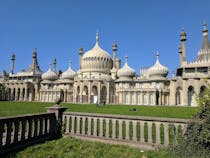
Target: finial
x=114 y=46
x=157 y=56
x=80 y=51
x=126 y=58
x=97 y=37
x=204 y=26
x=70 y=63
x=13 y=56
x=54 y=61
x=183 y=35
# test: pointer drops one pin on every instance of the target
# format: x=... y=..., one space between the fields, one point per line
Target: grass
x=18 y=108
x=74 y=148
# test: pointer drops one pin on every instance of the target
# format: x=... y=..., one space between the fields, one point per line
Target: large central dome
x=96 y=60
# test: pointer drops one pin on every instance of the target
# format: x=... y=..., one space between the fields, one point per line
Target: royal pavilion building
x=101 y=79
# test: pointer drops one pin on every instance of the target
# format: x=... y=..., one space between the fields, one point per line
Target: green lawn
x=74 y=148
x=17 y=108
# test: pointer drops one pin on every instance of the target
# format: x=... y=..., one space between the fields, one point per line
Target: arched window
x=191 y=96
x=202 y=89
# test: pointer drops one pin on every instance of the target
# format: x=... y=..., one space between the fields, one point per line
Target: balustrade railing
x=148 y=132
x=26 y=129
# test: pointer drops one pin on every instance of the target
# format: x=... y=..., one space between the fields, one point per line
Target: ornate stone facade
x=101 y=79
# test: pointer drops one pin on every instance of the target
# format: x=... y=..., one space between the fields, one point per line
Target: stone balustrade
x=24 y=130
x=143 y=132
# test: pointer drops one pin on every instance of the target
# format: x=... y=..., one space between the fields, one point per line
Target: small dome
x=68 y=74
x=158 y=70
x=126 y=70
x=49 y=75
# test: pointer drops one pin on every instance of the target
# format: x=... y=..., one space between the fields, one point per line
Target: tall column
x=81 y=90
x=99 y=92
x=21 y=94
x=108 y=90
x=89 y=92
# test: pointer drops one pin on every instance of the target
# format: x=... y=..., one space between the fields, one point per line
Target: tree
x=196 y=141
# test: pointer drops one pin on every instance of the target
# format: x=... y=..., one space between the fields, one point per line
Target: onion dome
x=96 y=60
x=68 y=74
x=158 y=70
x=49 y=75
x=126 y=71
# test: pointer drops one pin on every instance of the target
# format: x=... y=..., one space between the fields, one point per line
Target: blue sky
x=57 y=28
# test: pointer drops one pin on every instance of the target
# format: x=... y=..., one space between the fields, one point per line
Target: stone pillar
x=166 y=134
x=99 y=92
x=89 y=92
x=127 y=137
x=78 y=125
x=134 y=131
x=26 y=94
x=149 y=132
x=81 y=90
x=108 y=95
x=83 y=125
x=120 y=129
x=89 y=126
x=113 y=129
x=72 y=124
x=157 y=126
x=101 y=127
x=58 y=110
x=21 y=94
x=142 y=132
x=95 y=127
x=107 y=128
x=67 y=124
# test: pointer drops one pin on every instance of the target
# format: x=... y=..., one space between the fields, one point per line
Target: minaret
x=114 y=48
x=54 y=63
x=205 y=36
x=34 y=56
x=80 y=57
x=12 y=63
x=183 y=38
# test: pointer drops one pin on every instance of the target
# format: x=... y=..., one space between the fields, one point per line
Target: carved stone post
x=58 y=110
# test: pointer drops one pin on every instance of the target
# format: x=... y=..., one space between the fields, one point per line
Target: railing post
x=107 y=128
x=101 y=127
x=58 y=110
x=23 y=129
x=83 y=125
x=89 y=126
x=78 y=125
x=67 y=124
x=9 y=129
x=16 y=124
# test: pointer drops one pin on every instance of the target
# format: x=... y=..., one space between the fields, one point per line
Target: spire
x=183 y=35
x=97 y=37
x=205 y=36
